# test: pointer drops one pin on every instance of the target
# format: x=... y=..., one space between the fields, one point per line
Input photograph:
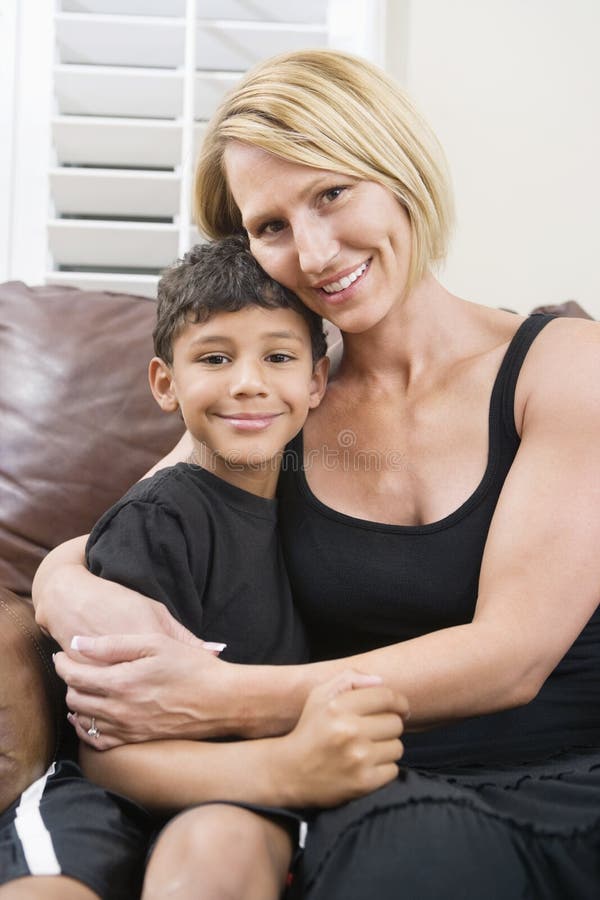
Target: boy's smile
x=250 y=421
x=244 y=382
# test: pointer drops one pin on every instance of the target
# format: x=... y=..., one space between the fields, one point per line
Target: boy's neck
x=258 y=480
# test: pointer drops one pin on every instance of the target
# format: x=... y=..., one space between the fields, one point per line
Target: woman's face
x=342 y=244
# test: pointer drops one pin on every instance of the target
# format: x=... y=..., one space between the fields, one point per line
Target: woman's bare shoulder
x=565 y=346
x=562 y=368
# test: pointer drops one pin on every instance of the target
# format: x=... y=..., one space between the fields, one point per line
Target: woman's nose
x=316 y=247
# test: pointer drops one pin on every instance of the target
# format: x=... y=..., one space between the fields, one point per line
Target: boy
x=243 y=360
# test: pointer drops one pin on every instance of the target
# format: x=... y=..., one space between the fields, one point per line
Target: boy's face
x=244 y=382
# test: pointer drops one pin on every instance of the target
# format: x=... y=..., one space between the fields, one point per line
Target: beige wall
x=512 y=88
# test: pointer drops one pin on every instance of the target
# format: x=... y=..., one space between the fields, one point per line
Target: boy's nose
x=248 y=380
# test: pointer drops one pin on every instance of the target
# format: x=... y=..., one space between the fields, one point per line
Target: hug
x=343 y=638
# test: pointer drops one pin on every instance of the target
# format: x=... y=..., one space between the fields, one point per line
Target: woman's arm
x=345 y=744
x=69 y=600
x=539 y=585
x=182 y=450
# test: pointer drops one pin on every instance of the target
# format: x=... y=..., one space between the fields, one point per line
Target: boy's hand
x=346 y=743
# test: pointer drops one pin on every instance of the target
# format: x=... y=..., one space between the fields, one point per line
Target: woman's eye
x=333 y=193
x=271 y=227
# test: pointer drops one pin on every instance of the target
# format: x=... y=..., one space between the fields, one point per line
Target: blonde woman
x=440 y=516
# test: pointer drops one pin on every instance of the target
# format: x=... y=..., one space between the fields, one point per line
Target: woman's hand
x=346 y=742
x=146 y=687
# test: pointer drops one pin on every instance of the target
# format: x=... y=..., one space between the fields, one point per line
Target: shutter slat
x=136 y=93
x=237 y=46
x=267 y=10
x=299 y=11
x=120 y=40
x=87 y=140
x=104 y=192
x=132 y=245
x=127 y=41
x=127 y=7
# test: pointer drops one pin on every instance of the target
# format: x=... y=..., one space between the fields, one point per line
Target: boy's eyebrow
x=286 y=335
x=227 y=339
x=211 y=339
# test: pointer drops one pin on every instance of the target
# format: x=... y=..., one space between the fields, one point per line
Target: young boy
x=243 y=361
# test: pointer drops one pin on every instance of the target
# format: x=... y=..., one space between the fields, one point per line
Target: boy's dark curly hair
x=221 y=276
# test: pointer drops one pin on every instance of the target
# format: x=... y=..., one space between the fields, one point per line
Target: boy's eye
x=214 y=359
x=279 y=357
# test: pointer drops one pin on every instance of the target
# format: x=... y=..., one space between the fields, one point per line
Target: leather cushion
x=78 y=422
x=570 y=309
x=31 y=699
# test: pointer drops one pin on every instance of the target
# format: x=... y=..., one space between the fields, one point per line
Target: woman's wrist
x=266 y=701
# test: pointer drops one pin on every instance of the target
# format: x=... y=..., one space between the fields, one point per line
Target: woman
x=442 y=534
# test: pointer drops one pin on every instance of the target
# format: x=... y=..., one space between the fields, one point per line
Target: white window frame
x=27 y=53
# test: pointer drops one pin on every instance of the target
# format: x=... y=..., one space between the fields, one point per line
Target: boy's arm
x=168 y=776
x=345 y=744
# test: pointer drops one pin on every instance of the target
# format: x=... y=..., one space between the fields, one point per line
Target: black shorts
x=65 y=825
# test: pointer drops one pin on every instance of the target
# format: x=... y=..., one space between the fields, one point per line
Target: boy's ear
x=319 y=381
x=161 y=385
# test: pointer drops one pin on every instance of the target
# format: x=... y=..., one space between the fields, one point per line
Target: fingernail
x=213 y=645
x=79 y=642
x=71 y=717
x=54 y=658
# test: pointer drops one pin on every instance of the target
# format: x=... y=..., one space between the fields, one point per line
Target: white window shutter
x=133 y=82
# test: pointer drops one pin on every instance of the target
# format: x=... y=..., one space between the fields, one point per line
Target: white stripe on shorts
x=33 y=834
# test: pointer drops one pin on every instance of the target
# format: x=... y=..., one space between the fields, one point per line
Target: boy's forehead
x=250 y=324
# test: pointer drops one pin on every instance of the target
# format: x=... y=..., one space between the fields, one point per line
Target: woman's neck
x=422 y=332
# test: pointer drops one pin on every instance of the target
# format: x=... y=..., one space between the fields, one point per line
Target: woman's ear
x=160 y=377
x=319 y=381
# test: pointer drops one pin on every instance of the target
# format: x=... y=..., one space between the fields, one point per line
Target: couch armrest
x=31 y=699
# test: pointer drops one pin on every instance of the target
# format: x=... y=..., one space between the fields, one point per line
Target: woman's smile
x=343 y=281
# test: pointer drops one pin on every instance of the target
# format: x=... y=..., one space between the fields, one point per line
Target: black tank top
x=361 y=584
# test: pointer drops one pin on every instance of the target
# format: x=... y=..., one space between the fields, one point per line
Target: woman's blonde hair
x=330 y=110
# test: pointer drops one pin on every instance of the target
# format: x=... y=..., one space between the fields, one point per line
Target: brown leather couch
x=77 y=426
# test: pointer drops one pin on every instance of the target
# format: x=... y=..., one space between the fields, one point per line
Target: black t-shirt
x=211 y=553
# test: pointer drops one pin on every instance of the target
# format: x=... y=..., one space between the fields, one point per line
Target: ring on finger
x=92 y=730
